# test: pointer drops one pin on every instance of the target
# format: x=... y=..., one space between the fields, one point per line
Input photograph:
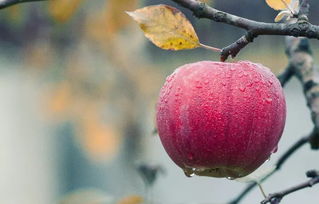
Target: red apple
x=221 y=119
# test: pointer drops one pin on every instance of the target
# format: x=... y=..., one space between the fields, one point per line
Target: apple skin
x=221 y=119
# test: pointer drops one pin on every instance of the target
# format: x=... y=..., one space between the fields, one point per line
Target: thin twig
x=285 y=76
x=275 y=198
x=254 y=28
x=281 y=161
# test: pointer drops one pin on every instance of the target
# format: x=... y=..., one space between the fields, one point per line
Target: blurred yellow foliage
x=86 y=196
x=115 y=14
x=104 y=25
x=39 y=55
x=62 y=10
x=109 y=82
x=61 y=98
x=133 y=199
x=100 y=141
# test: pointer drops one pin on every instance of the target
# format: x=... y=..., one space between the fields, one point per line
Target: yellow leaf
x=104 y=25
x=278 y=4
x=166 y=27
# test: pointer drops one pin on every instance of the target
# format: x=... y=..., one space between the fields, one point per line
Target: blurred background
x=78 y=88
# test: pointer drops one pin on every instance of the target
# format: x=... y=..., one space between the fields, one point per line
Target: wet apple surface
x=221 y=119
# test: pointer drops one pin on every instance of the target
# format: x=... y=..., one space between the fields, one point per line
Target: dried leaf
x=282 y=14
x=166 y=27
x=278 y=4
x=100 y=140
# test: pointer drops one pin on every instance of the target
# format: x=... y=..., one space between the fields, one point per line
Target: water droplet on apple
x=189 y=172
x=206 y=81
x=268 y=100
x=268 y=159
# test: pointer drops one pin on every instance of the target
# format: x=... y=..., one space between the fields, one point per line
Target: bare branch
x=7 y=3
x=275 y=198
x=301 y=61
x=281 y=161
x=285 y=76
x=301 y=28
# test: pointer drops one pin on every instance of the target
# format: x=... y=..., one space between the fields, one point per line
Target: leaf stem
x=210 y=48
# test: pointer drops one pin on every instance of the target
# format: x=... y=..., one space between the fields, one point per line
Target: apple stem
x=210 y=48
x=261 y=189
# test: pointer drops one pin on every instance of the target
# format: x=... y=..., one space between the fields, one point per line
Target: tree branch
x=301 y=63
x=275 y=198
x=285 y=76
x=301 y=28
x=281 y=161
x=7 y=3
